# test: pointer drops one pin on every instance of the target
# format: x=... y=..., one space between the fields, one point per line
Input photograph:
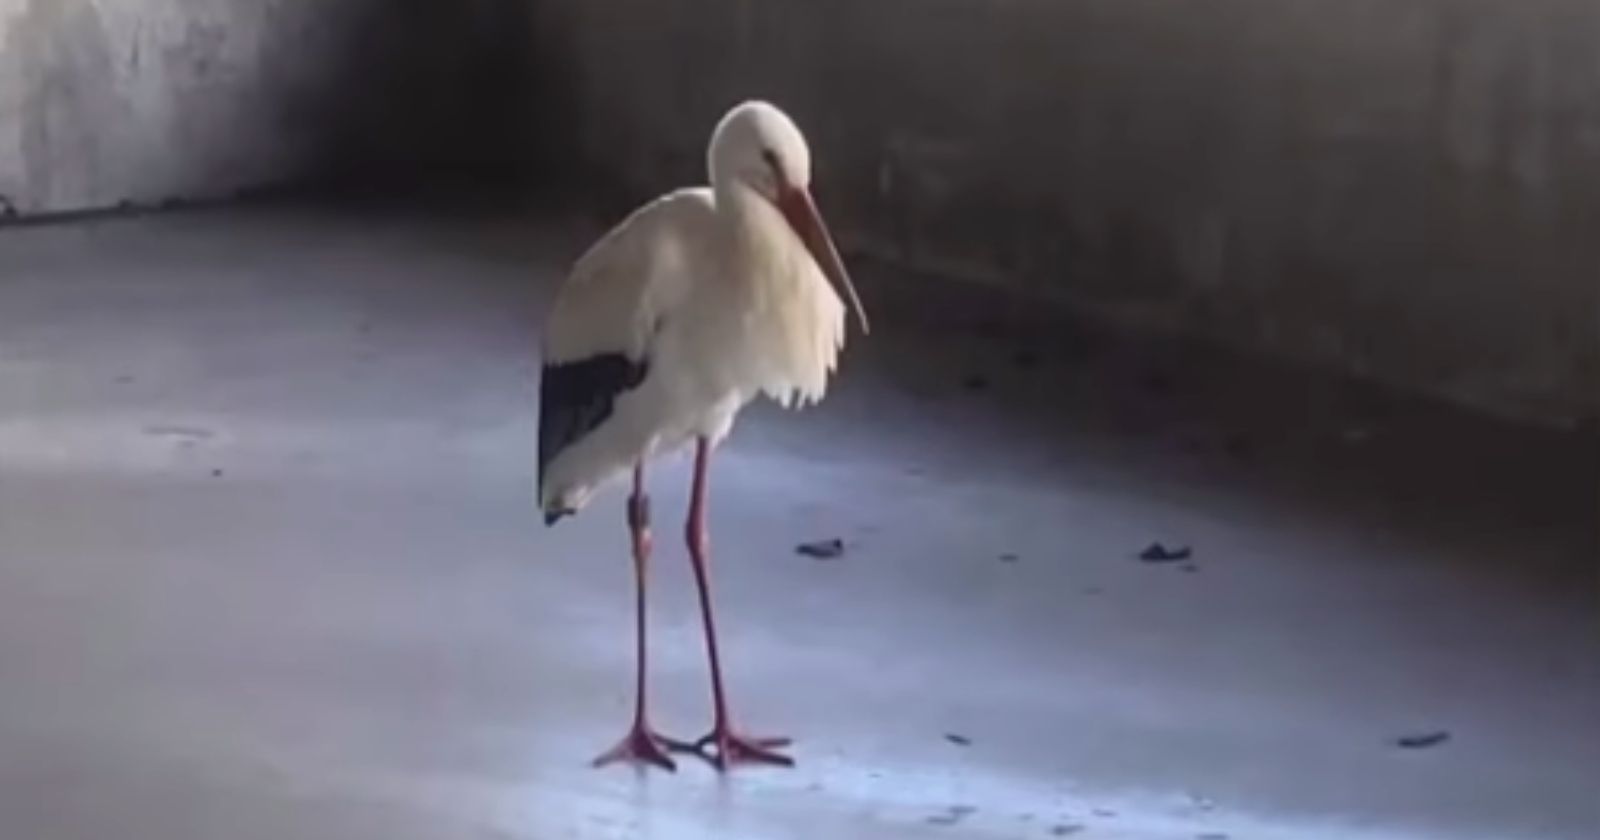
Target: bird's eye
x=771 y=158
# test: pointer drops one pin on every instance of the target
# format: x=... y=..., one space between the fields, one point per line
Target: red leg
x=641 y=745
x=730 y=748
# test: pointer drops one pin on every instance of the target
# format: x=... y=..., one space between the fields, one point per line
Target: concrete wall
x=105 y=102
x=1406 y=189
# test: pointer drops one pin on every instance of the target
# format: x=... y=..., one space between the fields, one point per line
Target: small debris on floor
x=1190 y=568
x=976 y=382
x=1104 y=812
x=1009 y=558
x=192 y=433
x=1212 y=835
x=958 y=740
x=1422 y=740
x=217 y=473
x=956 y=814
x=1065 y=829
x=1158 y=553
x=1092 y=590
x=822 y=549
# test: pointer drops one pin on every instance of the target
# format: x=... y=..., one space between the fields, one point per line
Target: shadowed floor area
x=270 y=567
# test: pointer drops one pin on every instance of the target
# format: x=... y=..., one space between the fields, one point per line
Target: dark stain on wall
x=426 y=95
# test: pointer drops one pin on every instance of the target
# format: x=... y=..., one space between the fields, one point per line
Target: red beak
x=801 y=211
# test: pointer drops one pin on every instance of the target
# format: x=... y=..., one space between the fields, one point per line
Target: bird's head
x=759 y=147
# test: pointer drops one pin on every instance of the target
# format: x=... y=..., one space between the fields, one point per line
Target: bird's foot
x=723 y=749
x=642 y=746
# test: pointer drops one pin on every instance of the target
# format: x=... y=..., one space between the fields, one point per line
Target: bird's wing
x=600 y=329
x=637 y=274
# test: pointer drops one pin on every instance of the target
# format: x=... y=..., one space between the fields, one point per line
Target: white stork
x=695 y=304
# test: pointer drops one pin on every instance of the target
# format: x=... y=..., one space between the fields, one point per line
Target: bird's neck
x=735 y=201
x=752 y=221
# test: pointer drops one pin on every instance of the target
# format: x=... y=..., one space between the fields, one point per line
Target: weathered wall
x=1409 y=190
x=105 y=102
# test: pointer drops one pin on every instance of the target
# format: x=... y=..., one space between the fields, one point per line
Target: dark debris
x=956 y=814
x=1158 y=553
x=958 y=740
x=822 y=549
x=1422 y=740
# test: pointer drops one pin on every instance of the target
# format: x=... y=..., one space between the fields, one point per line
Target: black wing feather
x=576 y=397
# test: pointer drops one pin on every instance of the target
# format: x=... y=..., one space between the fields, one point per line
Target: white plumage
x=718 y=295
x=694 y=305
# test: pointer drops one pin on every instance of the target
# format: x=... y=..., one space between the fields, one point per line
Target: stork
x=697 y=303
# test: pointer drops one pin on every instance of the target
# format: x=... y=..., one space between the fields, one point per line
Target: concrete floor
x=269 y=568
